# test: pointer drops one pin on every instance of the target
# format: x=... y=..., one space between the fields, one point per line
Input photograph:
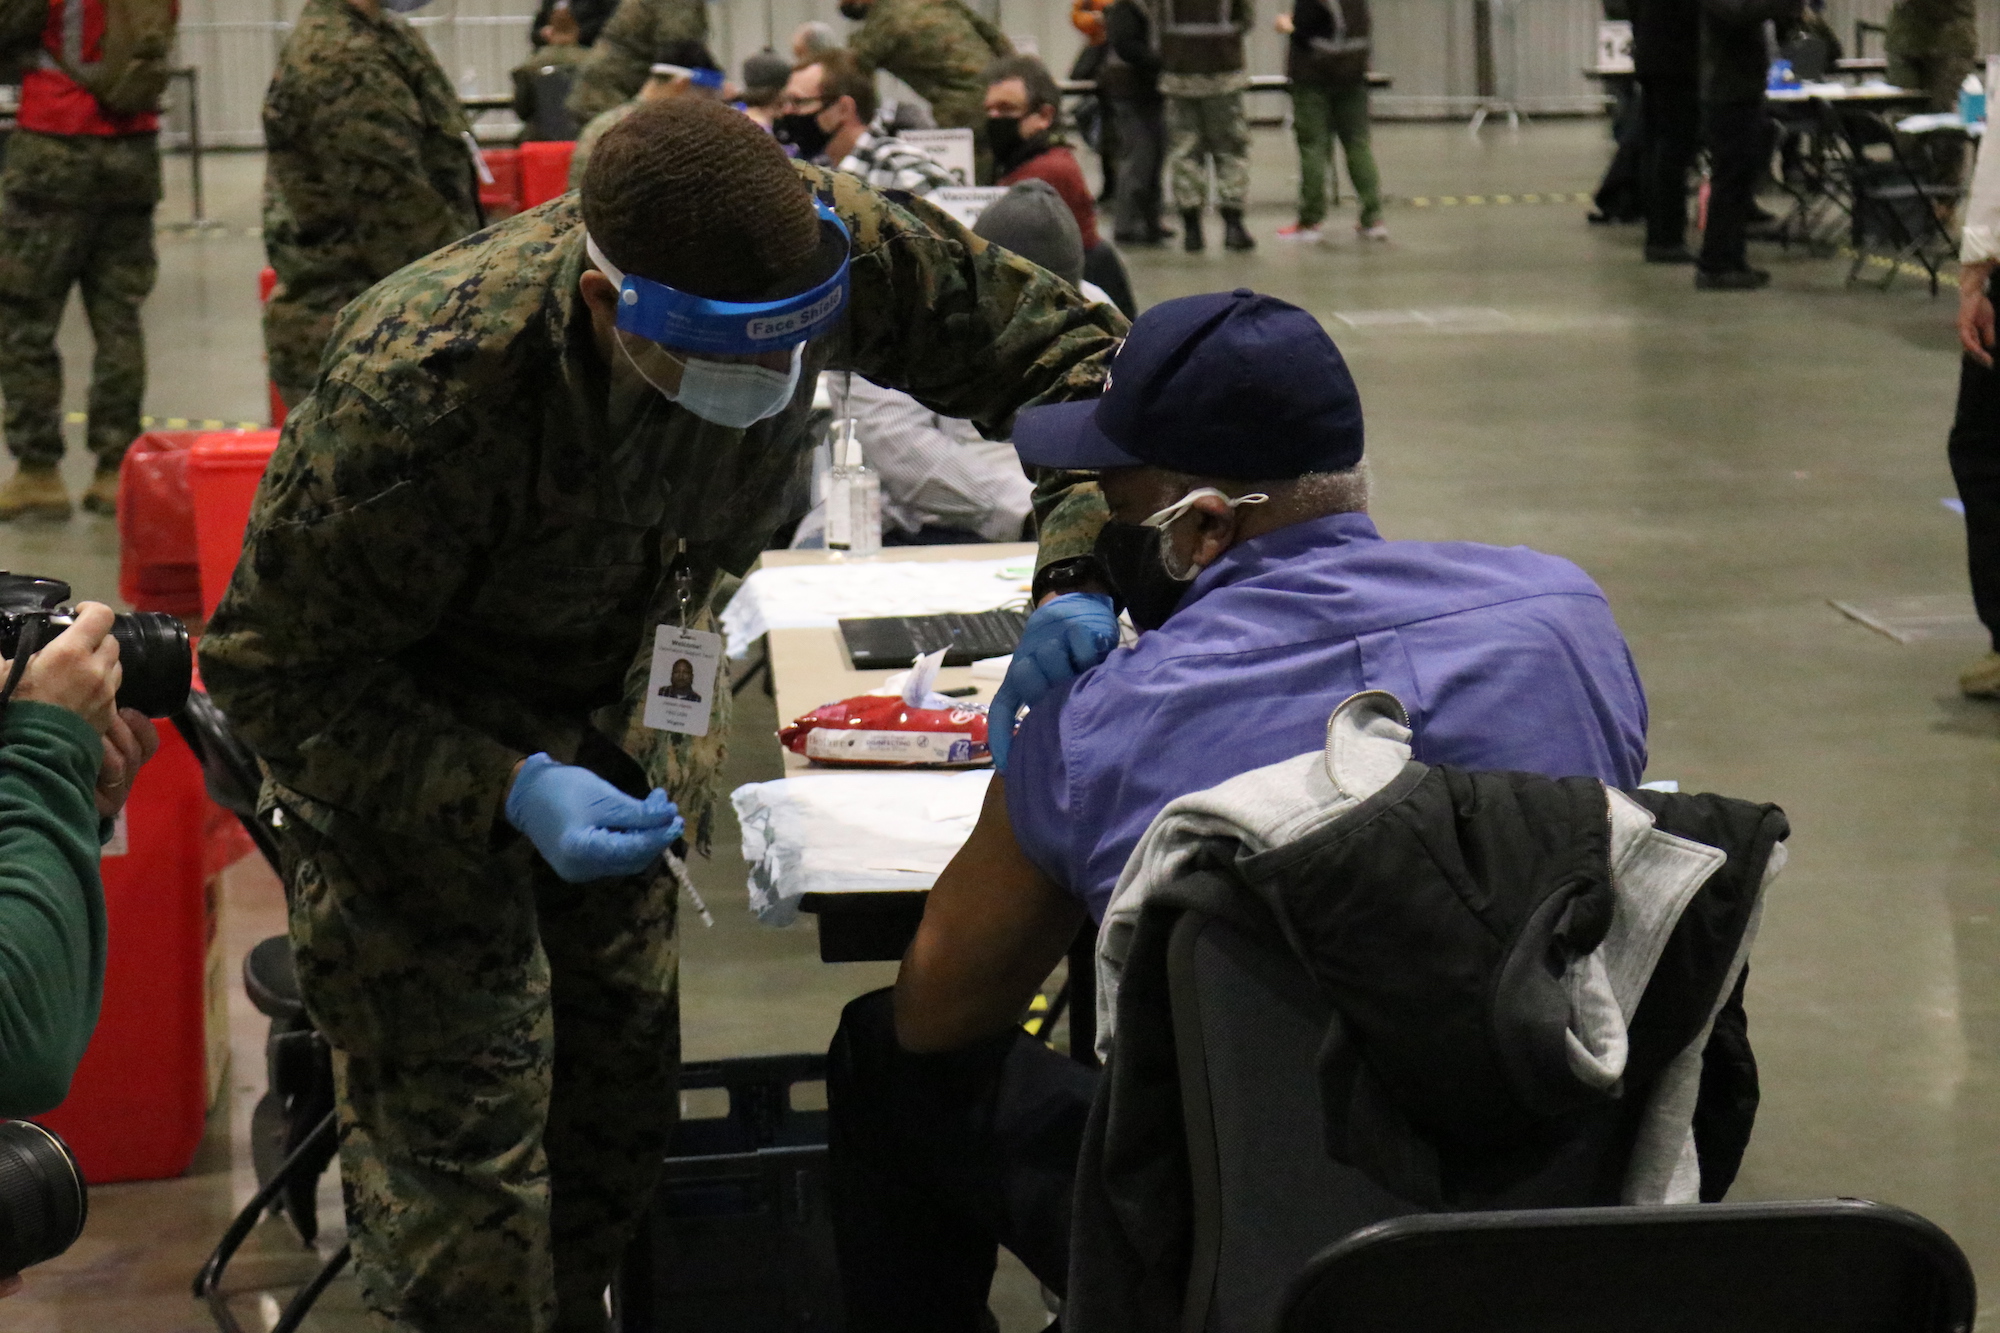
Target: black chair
x=1897 y=216
x=553 y=120
x=1829 y=1266
x=292 y=1128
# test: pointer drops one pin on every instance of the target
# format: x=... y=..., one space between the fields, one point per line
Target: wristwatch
x=1081 y=573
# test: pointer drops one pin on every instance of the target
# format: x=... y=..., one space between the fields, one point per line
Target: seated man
x=1023 y=119
x=825 y=116
x=1230 y=443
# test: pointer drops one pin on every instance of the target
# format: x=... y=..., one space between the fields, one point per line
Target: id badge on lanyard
x=680 y=689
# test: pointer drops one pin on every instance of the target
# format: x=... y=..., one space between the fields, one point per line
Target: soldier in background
x=439 y=634
x=1202 y=75
x=369 y=167
x=677 y=65
x=82 y=177
x=1933 y=45
x=941 y=48
x=624 y=52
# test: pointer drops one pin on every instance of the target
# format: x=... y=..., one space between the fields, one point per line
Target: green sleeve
x=967 y=329
x=872 y=45
x=51 y=903
x=358 y=545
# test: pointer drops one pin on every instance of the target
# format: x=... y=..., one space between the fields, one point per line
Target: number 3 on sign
x=680 y=691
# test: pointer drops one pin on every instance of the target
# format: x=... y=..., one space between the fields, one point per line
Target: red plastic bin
x=502 y=198
x=137 y=1105
x=158 y=569
x=544 y=170
x=224 y=468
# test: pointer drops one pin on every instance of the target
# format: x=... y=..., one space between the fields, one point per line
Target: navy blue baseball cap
x=1230 y=384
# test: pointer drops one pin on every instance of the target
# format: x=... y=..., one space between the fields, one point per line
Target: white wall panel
x=1425 y=45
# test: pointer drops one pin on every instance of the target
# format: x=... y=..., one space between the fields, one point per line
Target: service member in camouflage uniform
x=458 y=557
x=1933 y=45
x=658 y=87
x=369 y=167
x=624 y=52
x=76 y=211
x=941 y=49
x=1203 y=78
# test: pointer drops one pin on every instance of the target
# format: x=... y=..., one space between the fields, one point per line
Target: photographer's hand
x=78 y=669
x=128 y=744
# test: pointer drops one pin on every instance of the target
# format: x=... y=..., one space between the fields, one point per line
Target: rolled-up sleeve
x=1981 y=241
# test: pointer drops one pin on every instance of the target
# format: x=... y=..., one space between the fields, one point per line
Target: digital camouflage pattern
x=626 y=49
x=940 y=48
x=367 y=169
x=1069 y=509
x=457 y=558
x=75 y=211
x=1201 y=130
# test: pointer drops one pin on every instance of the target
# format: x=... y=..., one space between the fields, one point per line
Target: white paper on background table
x=820 y=596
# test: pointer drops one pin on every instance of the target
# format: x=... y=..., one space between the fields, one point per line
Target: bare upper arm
x=993 y=929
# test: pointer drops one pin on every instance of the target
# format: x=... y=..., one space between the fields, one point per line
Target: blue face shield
x=709 y=350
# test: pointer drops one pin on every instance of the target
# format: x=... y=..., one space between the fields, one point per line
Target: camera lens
x=159 y=665
x=42 y=1200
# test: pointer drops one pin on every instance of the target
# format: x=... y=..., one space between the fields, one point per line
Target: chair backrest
x=1249 y=1026
x=1811 y=55
x=1828 y=1266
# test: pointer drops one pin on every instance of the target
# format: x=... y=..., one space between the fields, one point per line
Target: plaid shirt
x=887 y=163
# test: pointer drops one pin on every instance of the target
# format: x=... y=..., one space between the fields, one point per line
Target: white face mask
x=737 y=394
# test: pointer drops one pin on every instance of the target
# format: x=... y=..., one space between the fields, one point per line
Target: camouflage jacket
x=939 y=47
x=368 y=166
x=87 y=171
x=626 y=49
x=1933 y=28
x=586 y=139
x=457 y=555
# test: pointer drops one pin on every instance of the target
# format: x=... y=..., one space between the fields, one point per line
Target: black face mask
x=1003 y=134
x=802 y=131
x=1134 y=559
x=856 y=10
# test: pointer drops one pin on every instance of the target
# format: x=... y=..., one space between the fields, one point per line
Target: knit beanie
x=764 y=77
x=692 y=193
x=1033 y=221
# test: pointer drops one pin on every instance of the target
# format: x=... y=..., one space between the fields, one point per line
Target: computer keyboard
x=897 y=641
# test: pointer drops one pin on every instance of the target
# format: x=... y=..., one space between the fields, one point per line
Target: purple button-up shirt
x=1506 y=658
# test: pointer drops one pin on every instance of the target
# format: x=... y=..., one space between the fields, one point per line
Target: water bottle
x=1972 y=100
x=1781 y=76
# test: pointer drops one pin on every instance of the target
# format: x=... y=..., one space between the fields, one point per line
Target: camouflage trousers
x=1201 y=130
x=106 y=253
x=507 y=1050
x=296 y=329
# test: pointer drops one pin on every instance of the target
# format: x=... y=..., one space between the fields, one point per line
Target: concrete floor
x=1724 y=464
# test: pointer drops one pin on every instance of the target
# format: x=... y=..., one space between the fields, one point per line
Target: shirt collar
x=1247 y=559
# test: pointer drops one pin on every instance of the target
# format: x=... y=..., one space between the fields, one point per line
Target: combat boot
x=102 y=497
x=1982 y=679
x=1191 y=231
x=34 y=492
x=1234 y=236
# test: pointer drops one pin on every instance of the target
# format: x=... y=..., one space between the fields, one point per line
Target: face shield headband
x=689 y=323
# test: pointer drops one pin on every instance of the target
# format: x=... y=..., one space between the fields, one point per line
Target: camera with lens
x=152 y=646
x=43 y=1203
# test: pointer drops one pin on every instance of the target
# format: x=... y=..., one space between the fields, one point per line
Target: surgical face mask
x=737 y=394
x=802 y=130
x=1004 y=134
x=1136 y=558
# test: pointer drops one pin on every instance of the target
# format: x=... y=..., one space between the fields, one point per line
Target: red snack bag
x=884 y=731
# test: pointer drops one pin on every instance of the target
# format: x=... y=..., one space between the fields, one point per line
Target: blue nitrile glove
x=584 y=827
x=1067 y=636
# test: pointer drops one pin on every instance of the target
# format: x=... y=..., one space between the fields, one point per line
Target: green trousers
x=1320 y=112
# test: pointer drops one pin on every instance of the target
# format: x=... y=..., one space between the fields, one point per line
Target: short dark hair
x=841 y=75
x=693 y=194
x=1043 y=90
